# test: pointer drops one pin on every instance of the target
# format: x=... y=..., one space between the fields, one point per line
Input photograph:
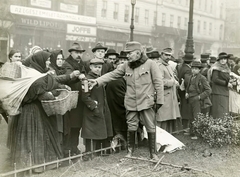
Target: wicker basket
x=66 y=101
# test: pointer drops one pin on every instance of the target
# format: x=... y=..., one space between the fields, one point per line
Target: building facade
x=232 y=36
x=162 y=23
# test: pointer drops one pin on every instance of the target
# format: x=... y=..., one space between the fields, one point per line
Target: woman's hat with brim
x=222 y=55
x=76 y=47
x=96 y=61
x=196 y=64
x=123 y=55
x=111 y=52
x=152 y=52
x=99 y=46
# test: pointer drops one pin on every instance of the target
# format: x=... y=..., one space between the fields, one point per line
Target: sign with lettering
x=80 y=38
x=81 y=30
x=69 y=8
x=41 y=3
x=41 y=23
x=34 y=12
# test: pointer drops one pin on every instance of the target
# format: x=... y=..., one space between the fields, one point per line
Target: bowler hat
x=213 y=59
x=133 y=45
x=123 y=55
x=167 y=51
x=204 y=57
x=196 y=64
x=187 y=57
x=152 y=52
x=222 y=55
x=76 y=47
x=111 y=52
x=231 y=57
x=99 y=46
x=96 y=61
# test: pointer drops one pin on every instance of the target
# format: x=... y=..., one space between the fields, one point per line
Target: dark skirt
x=220 y=106
x=35 y=139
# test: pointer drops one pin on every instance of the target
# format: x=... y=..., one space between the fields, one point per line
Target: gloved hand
x=156 y=107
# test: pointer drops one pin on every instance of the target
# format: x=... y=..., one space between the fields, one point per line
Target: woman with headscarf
x=220 y=81
x=35 y=141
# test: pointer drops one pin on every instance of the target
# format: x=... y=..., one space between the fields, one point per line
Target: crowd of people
x=140 y=86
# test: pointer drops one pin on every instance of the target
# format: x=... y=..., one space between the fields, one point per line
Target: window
x=155 y=18
x=126 y=16
x=211 y=7
x=220 y=32
x=210 y=28
x=204 y=25
x=179 y=22
x=146 y=16
x=205 y=8
x=199 y=26
x=185 y=23
x=104 y=9
x=171 y=20
x=137 y=15
x=186 y=2
x=199 y=4
x=115 y=12
x=163 y=19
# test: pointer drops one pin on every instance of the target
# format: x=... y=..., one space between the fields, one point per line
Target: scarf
x=38 y=61
x=138 y=62
x=219 y=67
x=53 y=60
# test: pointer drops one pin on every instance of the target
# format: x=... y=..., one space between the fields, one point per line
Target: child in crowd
x=97 y=125
x=197 y=92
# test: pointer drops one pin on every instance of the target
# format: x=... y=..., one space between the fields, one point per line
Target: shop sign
x=41 y=23
x=34 y=12
x=80 y=38
x=41 y=3
x=69 y=8
x=81 y=30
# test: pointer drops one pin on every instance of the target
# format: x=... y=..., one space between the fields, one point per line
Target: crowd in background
x=140 y=86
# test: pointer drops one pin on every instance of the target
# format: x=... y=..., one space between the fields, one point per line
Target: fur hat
x=76 y=47
x=99 y=46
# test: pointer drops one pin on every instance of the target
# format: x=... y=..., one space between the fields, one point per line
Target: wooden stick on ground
x=158 y=163
x=169 y=164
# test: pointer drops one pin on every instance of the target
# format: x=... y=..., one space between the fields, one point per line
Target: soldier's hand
x=92 y=83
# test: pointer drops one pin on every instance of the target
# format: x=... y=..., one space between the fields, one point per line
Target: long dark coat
x=115 y=97
x=75 y=115
x=97 y=122
x=184 y=73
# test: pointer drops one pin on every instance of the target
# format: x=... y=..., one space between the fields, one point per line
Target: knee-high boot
x=130 y=143
x=152 y=145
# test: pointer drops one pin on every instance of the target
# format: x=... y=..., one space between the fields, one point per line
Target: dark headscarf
x=38 y=61
x=53 y=59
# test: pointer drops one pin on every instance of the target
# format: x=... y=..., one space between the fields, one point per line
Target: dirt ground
x=204 y=161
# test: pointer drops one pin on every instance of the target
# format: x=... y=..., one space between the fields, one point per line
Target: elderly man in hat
x=167 y=115
x=74 y=118
x=143 y=78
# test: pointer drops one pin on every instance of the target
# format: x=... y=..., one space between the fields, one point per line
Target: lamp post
x=189 y=49
x=133 y=2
